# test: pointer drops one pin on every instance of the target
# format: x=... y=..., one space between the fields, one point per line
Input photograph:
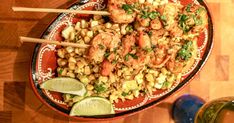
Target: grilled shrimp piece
x=156 y=24
x=118 y=14
x=128 y=42
x=144 y=40
x=100 y=44
x=139 y=59
x=107 y=68
x=145 y=22
x=156 y=35
x=161 y=58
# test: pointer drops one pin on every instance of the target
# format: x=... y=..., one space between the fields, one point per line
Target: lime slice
x=92 y=106
x=64 y=85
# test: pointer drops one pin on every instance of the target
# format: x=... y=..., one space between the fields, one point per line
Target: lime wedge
x=92 y=106
x=64 y=85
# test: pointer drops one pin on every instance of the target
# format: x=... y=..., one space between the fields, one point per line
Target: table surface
x=18 y=104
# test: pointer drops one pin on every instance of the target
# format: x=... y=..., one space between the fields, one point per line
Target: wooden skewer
x=37 y=40
x=25 y=9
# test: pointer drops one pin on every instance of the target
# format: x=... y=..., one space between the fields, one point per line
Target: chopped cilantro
x=150 y=33
x=115 y=50
x=148 y=49
x=188 y=7
x=107 y=54
x=185 y=52
x=182 y=23
x=144 y=14
x=132 y=55
x=60 y=71
x=199 y=10
x=101 y=46
x=164 y=19
x=114 y=61
x=126 y=57
x=128 y=8
x=129 y=28
x=125 y=94
x=99 y=88
x=153 y=15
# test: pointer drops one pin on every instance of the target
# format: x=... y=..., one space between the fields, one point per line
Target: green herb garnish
x=125 y=94
x=164 y=20
x=147 y=49
x=99 y=88
x=150 y=33
x=188 y=7
x=199 y=10
x=185 y=52
x=153 y=15
x=182 y=23
x=128 y=8
x=130 y=54
x=129 y=28
x=107 y=54
x=101 y=46
x=60 y=71
x=144 y=14
x=114 y=61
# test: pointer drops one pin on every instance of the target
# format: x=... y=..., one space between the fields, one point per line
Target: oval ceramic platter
x=44 y=65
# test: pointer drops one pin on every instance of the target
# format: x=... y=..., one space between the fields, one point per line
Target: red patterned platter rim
x=43 y=65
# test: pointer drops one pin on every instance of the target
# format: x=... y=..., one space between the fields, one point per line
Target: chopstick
x=37 y=40
x=25 y=9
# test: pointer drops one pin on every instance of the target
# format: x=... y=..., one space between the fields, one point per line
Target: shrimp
x=145 y=22
x=119 y=15
x=156 y=24
x=100 y=44
x=160 y=59
x=156 y=35
x=128 y=42
x=144 y=40
x=107 y=68
x=140 y=58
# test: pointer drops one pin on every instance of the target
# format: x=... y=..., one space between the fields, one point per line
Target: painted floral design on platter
x=46 y=60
